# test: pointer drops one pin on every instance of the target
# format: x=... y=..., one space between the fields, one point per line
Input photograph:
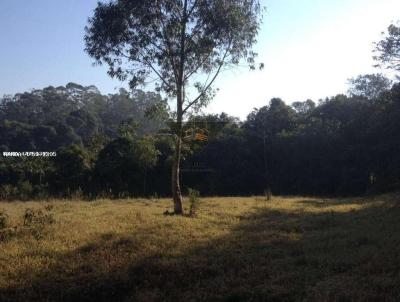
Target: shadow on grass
x=328 y=202
x=270 y=256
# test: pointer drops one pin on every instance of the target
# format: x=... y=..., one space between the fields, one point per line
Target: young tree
x=176 y=44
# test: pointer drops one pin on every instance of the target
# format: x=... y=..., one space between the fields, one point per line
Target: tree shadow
x=328 y=202
x=272 y=255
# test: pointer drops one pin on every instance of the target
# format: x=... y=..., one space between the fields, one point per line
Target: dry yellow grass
x=236 y=249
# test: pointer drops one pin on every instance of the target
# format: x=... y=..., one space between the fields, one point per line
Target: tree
x=72 y=168
x=177 y=43
x=369 y=85
x=304 y=107
x=264 y=125
x=123 y=164
x=147 y=155
x=388 y=48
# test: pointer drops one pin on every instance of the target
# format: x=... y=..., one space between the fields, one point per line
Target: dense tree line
x=343 y=145
x=119 y=145
x=81 y=125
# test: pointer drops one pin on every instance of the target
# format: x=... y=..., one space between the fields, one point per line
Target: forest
x=118 y=145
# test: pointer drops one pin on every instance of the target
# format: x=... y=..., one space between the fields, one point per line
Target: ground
x=236 y=249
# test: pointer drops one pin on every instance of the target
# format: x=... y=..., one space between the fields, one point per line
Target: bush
x=5 y=231
x=8 y=192
x=48 y=207
x=3 y=219
x=36 y=220
x=41 y=192
x=78 y=194
x=194 y=201
x=34 y=217
x=25 y=190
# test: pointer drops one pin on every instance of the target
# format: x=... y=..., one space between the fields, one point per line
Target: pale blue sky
x=310 y=48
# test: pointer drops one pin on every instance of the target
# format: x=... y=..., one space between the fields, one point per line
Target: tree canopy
x=172 y=40
x=388 y=49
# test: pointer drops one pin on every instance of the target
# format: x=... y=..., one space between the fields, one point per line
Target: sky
x=310 y=48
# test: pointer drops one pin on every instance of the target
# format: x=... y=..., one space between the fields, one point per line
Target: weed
x=25 y=190
x=154 y=197
x=37 y=220
x=5 y=231
x=3 y=219
x=37 y=217
x=48 y=207
x=6 y=234
x=77 y=194
x=194 y=201
x=8 y=192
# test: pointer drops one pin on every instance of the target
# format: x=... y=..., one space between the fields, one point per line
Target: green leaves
x=369 y=85
x=388 y=48
x=146 y=152
x=173 y=42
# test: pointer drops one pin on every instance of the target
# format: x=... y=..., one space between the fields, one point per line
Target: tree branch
x=182 y=45
x=197 y=68
x=167 y=42
x=148 y=63
x=192 y=8
x=209 y=84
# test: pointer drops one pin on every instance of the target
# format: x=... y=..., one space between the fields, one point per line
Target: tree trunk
x=176 y=188
x=180 y=99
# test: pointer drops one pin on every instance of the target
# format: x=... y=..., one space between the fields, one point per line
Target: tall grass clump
x=3 y=219
x=194 y=201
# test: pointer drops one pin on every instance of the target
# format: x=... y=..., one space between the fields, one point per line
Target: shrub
x=48 y=207
x=25 y=190
x=36 y=220
x=41 y=192
x=194 y=201
x=8 y=192
x=34 y=217
x=77 y=194
x=3 y=219
x=6 y=232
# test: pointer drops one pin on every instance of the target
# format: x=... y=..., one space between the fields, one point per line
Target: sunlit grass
x=235 y=249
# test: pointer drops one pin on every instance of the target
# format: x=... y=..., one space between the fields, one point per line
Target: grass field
x=236 y=249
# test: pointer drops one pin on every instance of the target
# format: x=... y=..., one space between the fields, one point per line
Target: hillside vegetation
x=235 y=249
x=121 y=146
